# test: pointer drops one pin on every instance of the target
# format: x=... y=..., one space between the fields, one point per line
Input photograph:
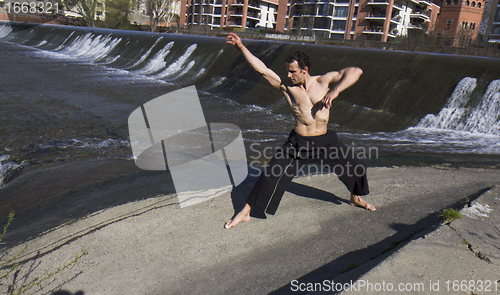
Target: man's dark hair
x=301 y=57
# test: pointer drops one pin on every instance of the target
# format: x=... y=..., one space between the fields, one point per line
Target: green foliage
x=9 y=262
x=117 y=12
x=448 y=215
x=12 y=267
x=47 y=275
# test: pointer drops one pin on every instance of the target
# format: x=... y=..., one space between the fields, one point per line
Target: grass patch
x=450 y=214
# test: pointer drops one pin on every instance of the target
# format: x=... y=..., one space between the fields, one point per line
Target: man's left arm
x=344 y=79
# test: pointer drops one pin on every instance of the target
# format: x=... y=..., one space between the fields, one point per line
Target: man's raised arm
x=256 y=63
x=344 y=78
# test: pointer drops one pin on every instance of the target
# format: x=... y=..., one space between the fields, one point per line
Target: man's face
x=295 y=73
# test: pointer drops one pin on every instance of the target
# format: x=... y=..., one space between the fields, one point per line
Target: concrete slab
x=154 y=247
x=461 y=257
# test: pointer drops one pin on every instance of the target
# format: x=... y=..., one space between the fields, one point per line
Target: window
x=341 y=11
x=339 y=25
x=467 y=3
x=207 y=9
x=472 y=26
x=479 y=5
x=473 y=4
x=321 y=23
x=496 y=30
x=448 y=24
x=464 y=25
x=322 y=9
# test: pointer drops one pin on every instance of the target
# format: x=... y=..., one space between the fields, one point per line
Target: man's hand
x=235 y=40
x=329 y=97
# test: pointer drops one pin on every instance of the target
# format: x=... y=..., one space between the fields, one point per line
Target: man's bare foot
x=357 y=201
x=243 y=215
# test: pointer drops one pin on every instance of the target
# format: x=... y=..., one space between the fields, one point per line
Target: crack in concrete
x=477 y=253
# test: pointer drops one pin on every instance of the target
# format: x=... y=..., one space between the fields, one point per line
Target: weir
x=397 y=90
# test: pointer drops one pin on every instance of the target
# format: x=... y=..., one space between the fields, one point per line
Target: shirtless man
x=310 y=98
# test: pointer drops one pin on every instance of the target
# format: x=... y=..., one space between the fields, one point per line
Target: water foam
x=64 y=42
x=483 y=118
x=178 y=65
x=428 y=140
x=5 y=30
x=6 y=167
x=156 y=63
x=90 y=47
x=144 y=56
x=41 y=43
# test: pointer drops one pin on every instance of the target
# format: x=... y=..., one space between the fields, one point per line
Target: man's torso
x=310 y=115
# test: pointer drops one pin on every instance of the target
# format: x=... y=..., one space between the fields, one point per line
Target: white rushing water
x=4 y=30
x=458 y=116
x=148 y=52
x=460 y=127
x=179 y=64
x=157 y=62
x=6 y=167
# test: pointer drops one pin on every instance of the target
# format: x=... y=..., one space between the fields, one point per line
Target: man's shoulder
x=329 y=77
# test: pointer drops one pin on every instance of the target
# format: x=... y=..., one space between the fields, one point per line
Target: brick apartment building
x=243 y=14
x=456 y=22
x=380 y=20
x=383 y=20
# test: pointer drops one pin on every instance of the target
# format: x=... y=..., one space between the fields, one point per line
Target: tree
x=85 y=8
x=464 y=37
x=117 y=12
x=158 y=10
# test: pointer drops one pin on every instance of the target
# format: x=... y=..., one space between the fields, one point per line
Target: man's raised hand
x=235 y=40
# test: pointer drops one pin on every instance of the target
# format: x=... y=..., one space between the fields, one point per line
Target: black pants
x=298 y=152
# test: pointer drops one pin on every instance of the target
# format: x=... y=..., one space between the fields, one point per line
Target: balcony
x=396 y=19
x=425 y=2
x=254 y=4
x=380 y=17
x=397 y=6
x=377 y=30
x=378 y=3
x=417 y=27
x=423 y=15
x=253 y=15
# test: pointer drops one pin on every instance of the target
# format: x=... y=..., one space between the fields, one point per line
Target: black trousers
x=297 y=153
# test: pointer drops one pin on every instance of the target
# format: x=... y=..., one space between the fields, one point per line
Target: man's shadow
x=240 y=193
